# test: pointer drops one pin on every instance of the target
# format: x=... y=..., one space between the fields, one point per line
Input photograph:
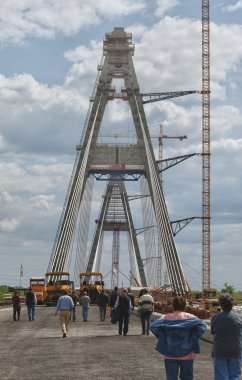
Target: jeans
x=145 y=321
x=172 y=369
x=85 y=310
x=31 y=312
x=227 y=368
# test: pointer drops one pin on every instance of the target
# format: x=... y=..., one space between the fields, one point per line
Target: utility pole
x=21 y=276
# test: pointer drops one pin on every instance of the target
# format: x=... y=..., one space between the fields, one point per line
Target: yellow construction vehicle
x=56 y=284
x=38 y=287
x=92 y=283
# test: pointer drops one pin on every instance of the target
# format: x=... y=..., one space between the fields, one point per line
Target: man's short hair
x=226 y=302
x=179 y=303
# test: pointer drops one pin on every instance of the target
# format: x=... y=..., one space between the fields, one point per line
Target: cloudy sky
x=48 y=66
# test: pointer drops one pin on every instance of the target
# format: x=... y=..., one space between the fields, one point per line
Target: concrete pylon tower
x=115 y=216
x=137 y=159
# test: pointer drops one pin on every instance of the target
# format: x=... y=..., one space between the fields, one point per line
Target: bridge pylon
x=107 y=161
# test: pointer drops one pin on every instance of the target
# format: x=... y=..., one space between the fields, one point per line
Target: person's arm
x=72 y=304
x=57 y=306
x=153 y=304
x=139 y=304
x=212 y=324
x=156 y=326
x=116 y=305
x=130 y=306
x=202 y=327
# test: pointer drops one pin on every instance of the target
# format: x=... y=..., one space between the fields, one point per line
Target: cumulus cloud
x=20 y=20
x=21 y=175
x=165 y=5
x=29 y=110
x=233 y=7
x=8 y=225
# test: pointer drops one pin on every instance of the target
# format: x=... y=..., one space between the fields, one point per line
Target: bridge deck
x=36 y=350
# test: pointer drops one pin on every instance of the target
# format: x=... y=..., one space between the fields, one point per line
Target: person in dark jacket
x=123 y=302
x=131 y=296
x=75 y=299
x=30 y=302
x=103 y=302
x=178 y=340
x=113 y=297
x=16 y=306
x=226 y=328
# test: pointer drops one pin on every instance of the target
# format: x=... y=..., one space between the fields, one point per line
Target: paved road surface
x=36 y=350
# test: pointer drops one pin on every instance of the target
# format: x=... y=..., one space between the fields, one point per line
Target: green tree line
x=3 y=290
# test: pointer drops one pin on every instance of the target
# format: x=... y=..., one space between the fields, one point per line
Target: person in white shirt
x=145 y=309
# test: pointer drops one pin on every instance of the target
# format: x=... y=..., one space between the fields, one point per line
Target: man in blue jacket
x=178 y=340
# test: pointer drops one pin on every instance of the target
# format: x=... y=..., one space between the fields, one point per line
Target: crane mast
x=205 y=146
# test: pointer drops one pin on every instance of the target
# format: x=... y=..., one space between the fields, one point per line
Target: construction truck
x=92 y=283
x=37 y=284
x=56 y=284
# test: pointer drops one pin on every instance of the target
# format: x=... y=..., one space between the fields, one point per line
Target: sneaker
x=64 y=335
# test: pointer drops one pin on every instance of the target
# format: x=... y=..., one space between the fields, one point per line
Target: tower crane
x=205 y=146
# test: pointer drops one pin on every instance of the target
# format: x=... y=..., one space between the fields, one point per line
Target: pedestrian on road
x=31 y=302
x=16 y=306
x=131 y=296
x=178 y=340
x=226 y=328
x=103 y=302
x=64 y=306
x=75 y=299
x=113 y=297
x=85 y=303
x=123 y=303
x=145 y=309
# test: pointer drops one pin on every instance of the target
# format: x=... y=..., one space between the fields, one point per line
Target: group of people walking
x=178 y=336
x=30 y=301
x=177 y=332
